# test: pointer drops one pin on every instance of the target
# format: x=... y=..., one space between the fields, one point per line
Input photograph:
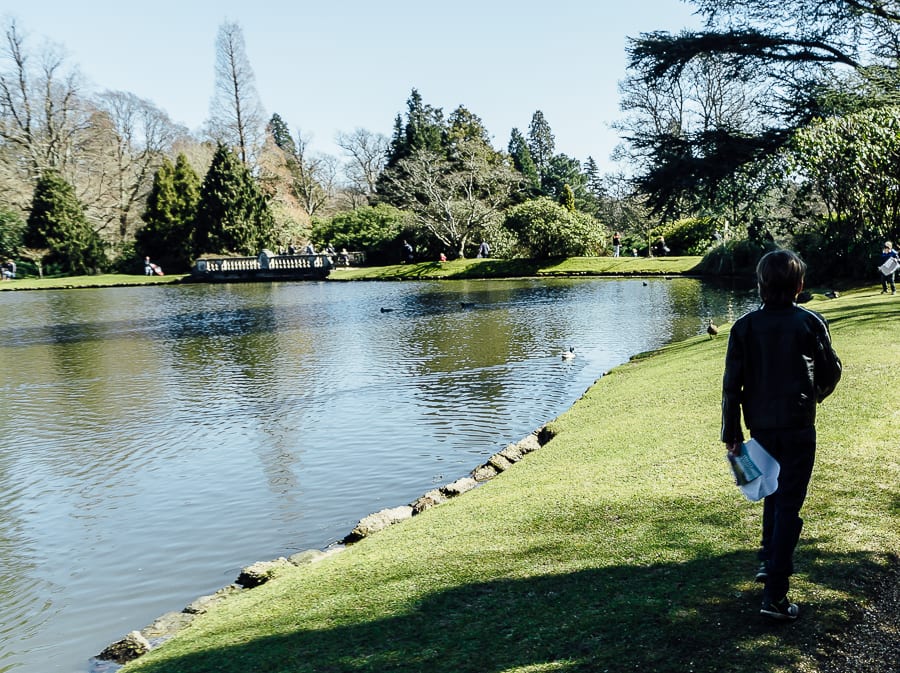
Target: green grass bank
x=456 y=269
x=512 y=268
x=73 y=282
x=621 y=545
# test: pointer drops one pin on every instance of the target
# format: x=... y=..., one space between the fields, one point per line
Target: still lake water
x=155 y=440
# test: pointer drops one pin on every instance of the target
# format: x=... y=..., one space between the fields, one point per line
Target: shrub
x=373 y=229
x=547 y=229
x=734 y=258
x=689 y=236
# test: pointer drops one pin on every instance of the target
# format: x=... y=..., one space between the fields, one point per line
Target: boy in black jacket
x=779 y=365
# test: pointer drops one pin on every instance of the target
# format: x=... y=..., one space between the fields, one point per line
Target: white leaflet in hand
x=889 y=266
x=768 y=482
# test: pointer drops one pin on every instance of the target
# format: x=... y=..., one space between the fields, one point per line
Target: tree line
x=95 y=182
x=775 y=123
x=777 y=120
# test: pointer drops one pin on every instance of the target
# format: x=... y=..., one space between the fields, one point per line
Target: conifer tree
x=423 y=130
x=169 y=215
x=541 y=143
x=57 y=223
x=594 y=181
x=521 y=157
x=281 y=134
x=233 y=215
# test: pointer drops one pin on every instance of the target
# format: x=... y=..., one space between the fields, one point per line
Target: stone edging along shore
x=138 y=643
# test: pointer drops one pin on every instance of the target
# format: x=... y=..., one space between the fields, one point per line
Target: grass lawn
x=462 y=268
x=103 y=280
x=621 y=545
x=509 y=268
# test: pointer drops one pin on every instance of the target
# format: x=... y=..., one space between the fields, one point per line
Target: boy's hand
x=733 y=447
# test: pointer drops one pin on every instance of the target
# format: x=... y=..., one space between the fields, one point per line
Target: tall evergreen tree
x=57 y=223
x=157 y=214
x=170 y=214
x=281 y=134
x=233 y=215
x=465 y=125
x=423 y=130
x=521 y=158
x=424 y=126
x=594 y=187
x=593 y=179
x=397 y=148
x=541 y=143
x=565 y=171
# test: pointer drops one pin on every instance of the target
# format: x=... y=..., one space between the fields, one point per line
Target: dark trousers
x=795 y=451
x=885 y=280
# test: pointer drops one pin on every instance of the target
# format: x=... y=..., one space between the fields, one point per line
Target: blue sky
x=330 y=67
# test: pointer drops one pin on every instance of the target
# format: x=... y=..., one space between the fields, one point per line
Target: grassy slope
x=498 y=268
x=103 y=280
x=462 y=268
x=621 y=545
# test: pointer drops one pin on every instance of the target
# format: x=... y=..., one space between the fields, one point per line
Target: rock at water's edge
x=129 y=648
x=379 y=521
x=260 y=572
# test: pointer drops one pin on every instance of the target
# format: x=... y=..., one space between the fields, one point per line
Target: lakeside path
x=620 y=545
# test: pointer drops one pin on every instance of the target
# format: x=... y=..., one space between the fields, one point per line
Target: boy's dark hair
x=780 y=276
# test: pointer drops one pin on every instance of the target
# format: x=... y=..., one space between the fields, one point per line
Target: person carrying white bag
x=889 y=265
x=779 y=366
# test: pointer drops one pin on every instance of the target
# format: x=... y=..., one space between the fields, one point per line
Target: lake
x=155 y=440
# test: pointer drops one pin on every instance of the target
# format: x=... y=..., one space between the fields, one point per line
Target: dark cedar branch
x=658 y=55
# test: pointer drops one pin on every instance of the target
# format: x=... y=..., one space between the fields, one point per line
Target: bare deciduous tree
x=315 y=177
x=42 y=115
x=236 y=117
x=368 y=153
x=131 y=136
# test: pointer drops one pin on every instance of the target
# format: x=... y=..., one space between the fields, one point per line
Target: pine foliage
x=233 y=216
x=58 y=224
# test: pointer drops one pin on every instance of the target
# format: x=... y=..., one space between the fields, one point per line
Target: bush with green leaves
x=547 y=229
x=734 y=258
x=370 y=229
x=12 y=228
x=689 y=236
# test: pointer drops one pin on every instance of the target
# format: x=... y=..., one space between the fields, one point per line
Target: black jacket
x=779 y=365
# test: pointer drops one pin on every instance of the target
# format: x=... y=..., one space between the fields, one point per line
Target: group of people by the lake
x=342 y=258
x=408 y=254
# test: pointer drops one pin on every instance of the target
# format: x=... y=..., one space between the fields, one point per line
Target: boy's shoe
x=782 y=610
x=762 y=573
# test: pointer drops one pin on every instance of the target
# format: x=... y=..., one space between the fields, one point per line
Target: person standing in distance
x=779 y=366
x=887 y=253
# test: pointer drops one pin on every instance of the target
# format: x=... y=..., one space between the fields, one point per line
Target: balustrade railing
x=270 y=265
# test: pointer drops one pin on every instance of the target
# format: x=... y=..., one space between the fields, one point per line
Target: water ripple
x=159 y=439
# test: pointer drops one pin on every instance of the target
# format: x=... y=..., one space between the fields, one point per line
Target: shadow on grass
x=869 y=310
x=697 y=616
x=499 y=268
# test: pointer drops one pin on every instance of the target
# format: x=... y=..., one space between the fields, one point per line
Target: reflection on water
x=157 y=439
